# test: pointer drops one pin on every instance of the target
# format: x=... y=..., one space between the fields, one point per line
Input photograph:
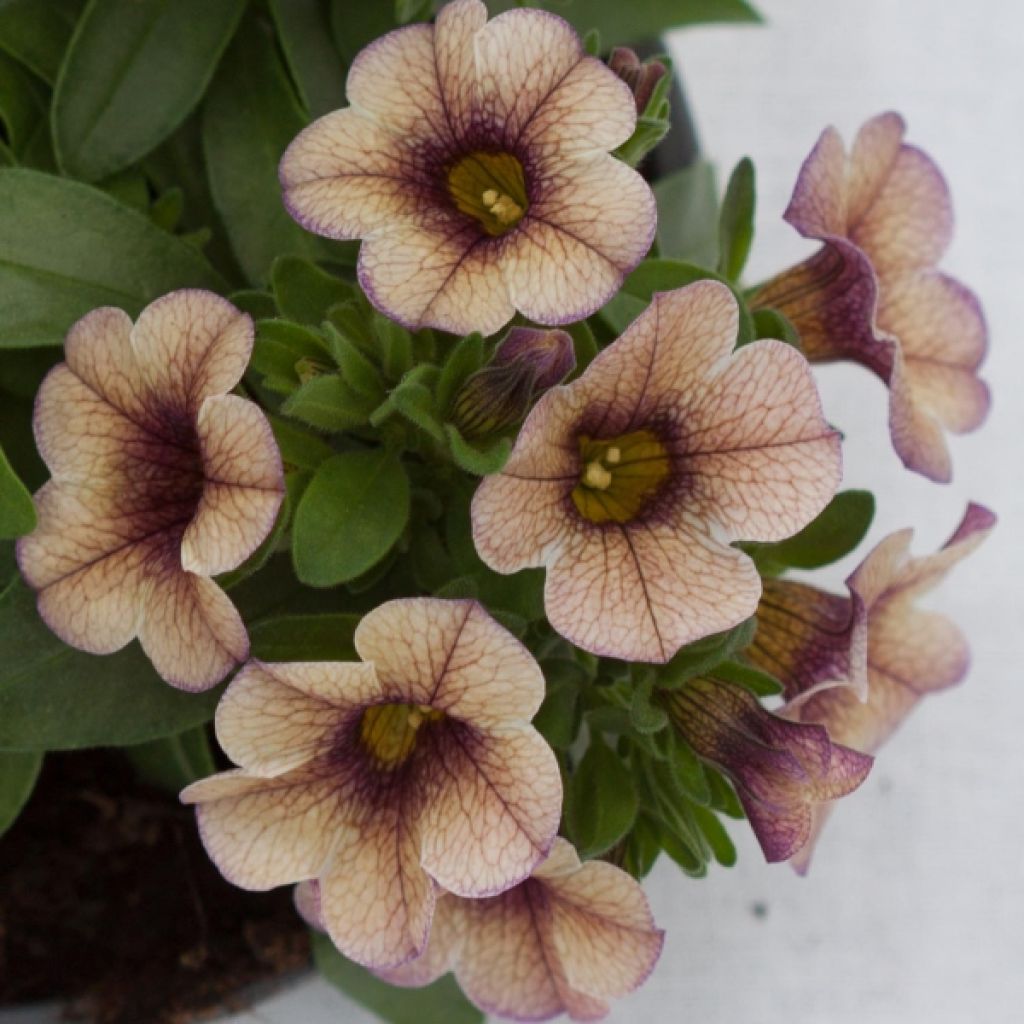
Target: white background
x=913 y=912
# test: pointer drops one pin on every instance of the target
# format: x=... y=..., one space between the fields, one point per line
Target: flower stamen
x=389 y=731
x=491 y=188
x=620 y=477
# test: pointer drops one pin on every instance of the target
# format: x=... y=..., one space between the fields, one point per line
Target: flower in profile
x=908 y=652
x=782 y=770
x=384 y=778
x=160 y=480
x=629 y=484
x=566 y=940
x=527 y=363
x=873 y=294
x=474 y=163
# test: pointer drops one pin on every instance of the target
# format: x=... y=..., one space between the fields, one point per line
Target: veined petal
x=376 y=901
x=191 y=631
x=447 y=933
x=456 y=34
x=641 y=592
x=601 y=215
x=262 y=833
x=191 y=344
x=273 y=718
x=438 y=272
x=764 y=460
x=494 y=810
x=345 y=176
x=875 y=150
x=818 y=207
x=452 y=656
x=542 y=89
x=243 y=486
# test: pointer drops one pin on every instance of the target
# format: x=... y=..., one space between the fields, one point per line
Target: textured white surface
x=913 y=912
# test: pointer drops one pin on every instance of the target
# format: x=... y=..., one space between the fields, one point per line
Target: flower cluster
x=419 y=755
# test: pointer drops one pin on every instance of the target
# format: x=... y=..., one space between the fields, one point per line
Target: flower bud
x=526 y=364
x=640 y=76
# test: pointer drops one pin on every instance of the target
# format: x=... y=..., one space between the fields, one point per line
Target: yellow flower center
x=389 y=731
x=619 y=476
x=491 y=188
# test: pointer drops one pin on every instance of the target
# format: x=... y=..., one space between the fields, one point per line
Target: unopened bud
x=525 y=365
x=642 y=76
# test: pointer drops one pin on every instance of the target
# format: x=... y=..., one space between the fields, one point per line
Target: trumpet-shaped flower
x=782 y=770
x=474 y=163
x=908 y=652
x=160 y=480
x=873 y=294
x=629 y=484
x=567 y=939
x=385 y=778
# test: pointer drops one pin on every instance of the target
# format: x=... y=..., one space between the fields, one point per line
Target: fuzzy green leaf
x=602 y=803
x=736 y=221
x=479 y=462
x=353 y=511
x=66 y=248
x=328 y=403
x=131 y=75
x=18 y=773
x=303 y=291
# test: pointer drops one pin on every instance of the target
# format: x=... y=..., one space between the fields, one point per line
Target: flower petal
x=495 y=810
x=640 y=593
x=453 y=656
x=818 y=207
x=875 y=150
x=345 y=176
x=376 y=900
x=273 y=718
x=395 y=81
x=191 y=631
x=591 y=222
x=191 y=344
x=542 y=89
x=243 y=486
x=439 y=273
x=262 y=833
x=457 y=30
x=764 y=460
x=447 y=932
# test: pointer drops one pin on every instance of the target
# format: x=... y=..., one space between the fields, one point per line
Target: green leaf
x=464 y=359
x=770 y=323
x=18 y=773
x=602 y=803
x=249 y=117
x=698 y=658
x=834 y=534
x=688 y=214
x=17 y=513
x=327 y=637
x=53 y=697
x=736 y=221
x=355 y=25
x=479 y=462
x=415 y=402
x=353 y=511
x=646 y=717
x=24 y=114
x=173 y=762
x=716 y=836
x=66 y=248
x=356 y=369
x=131 y=75
x=281 y=345
x=36 y=32
x=442 y=1000
x=303 y=291
x=299 y=448
x=328 y=403
x=558 y=719
x=761 y=684
x=303 y=26
x=620 y=22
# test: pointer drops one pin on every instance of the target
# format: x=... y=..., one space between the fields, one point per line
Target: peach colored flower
x=385 y=778
x=873 y=294
x=908 y=653
x=782 y=770
x=629 y=484
x=160 y=480
x=474 y=163
x=566 y=940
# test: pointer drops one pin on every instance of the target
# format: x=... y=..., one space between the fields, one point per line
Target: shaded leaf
x=303 y=26
x=18 y=773
x=17 y=513
x=688 y=214
x=602 y=802
x=37 y=32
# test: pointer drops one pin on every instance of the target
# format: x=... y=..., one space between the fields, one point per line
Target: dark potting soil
x=109 y=904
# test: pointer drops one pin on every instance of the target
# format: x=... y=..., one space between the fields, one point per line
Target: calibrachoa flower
x=160 y=480
x=629 y=484
x=873 y=294
x=569 y=938
x=909 y=652
x=384 y=778
x=474 y=165
x=782 y=770
x=527 y=363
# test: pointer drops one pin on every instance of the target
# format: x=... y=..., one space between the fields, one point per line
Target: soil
x=109 y=904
